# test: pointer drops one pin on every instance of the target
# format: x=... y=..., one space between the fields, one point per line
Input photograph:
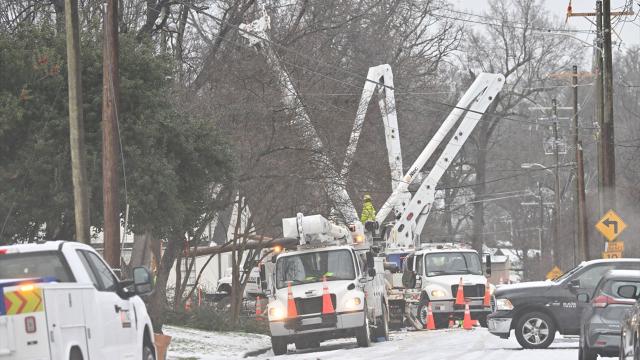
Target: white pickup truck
x=60 y=300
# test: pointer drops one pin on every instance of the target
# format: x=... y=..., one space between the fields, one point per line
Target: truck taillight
x=3 y=251
x=603 y=301
x=30 y=324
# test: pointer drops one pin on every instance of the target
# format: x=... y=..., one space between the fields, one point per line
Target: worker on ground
x=368 y=211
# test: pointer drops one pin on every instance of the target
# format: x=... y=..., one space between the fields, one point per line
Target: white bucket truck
x=330 y=287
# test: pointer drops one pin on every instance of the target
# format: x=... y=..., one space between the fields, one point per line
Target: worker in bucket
x=368 y=211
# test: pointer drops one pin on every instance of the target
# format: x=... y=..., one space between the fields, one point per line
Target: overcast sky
x=629 y=31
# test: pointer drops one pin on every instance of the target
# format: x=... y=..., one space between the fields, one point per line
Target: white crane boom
x=380 y=79
x=333 y=183
x=472 y=106
x=479 y=86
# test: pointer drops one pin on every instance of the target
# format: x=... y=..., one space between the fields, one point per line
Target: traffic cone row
x=291 y=303
x=460 y=294
x=327 y=305
x=430 y=324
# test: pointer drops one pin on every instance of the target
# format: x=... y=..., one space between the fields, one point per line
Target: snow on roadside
x=205 y=345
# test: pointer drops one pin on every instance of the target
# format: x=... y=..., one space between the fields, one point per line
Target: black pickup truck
x=535 y=310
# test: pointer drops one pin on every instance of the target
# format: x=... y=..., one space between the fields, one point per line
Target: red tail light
x=30 y=324
x=603 y=301
x=3 y=251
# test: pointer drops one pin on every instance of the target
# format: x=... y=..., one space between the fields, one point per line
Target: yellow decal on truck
x=25 y=299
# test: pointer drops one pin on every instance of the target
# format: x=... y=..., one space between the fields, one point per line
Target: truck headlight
x=353 y=304
x=277 y=313
x=438 y=294
x=503 y=304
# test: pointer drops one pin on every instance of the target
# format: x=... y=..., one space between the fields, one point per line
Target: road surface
x=454 y=344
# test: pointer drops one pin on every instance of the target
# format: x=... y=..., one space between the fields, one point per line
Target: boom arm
x=333 y=183
x=380 y=79
x=474 y=102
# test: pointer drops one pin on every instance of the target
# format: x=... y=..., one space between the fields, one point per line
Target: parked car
x=536 y=310
x=629 y=347
x=615 y=294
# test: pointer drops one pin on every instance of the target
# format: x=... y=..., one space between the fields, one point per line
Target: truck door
x=565 y=304
x=66 y=321
x=111 y=318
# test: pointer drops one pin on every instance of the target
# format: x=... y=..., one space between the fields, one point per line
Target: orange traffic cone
x=430 y=324
x=258 y=308
x=467 y=323
x=327 y=305
x=460 y=294
x=291 y=303
x=187 y=305
x=487 y=295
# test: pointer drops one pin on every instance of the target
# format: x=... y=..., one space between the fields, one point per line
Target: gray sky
x=629 y=31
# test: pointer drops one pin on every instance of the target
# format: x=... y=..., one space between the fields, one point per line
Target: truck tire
x=585 y=353
x=307 y=344
x=279 y=345
x=382 y=326
x=535 y=330
x=363 y=333
x=147 y=352
x=75 y=354
x=441 y=320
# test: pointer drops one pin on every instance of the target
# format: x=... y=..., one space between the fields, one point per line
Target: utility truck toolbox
x=59 y=300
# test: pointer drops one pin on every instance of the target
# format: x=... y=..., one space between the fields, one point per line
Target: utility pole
x=609 y=158
x=600 y=106
x=583 y=242
x=556 y=210
x=541 y=230
x=76 y=123
x=110 y=95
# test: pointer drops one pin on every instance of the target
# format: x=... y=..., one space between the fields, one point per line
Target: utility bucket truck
x=418 y=276
x=331 y=286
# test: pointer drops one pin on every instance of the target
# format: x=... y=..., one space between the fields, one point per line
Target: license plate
x=311 y=321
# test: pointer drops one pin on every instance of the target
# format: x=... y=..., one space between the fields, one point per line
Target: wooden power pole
x=608 y=148
x=583 y=236
x=76 y=123
x=110 y=96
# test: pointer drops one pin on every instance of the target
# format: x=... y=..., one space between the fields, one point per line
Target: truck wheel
x=535 y=330
x=279 y=345
x=147 y=352
x=382 y=328
x=363 y=333
x=76 y=354
x=307 y=344
x=585 y=353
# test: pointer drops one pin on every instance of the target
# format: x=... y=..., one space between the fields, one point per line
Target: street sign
x=615 y=246
x=612 y=255
x=554 y=273
x=611 y=225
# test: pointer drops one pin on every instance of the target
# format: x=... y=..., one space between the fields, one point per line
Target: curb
x=256 y=352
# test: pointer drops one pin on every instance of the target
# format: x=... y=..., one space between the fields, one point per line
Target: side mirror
x=142 y=280
x=370 y=262
x=267 y=292
x=574 y=284
x=583 y=298
x=372 y=272
x=263 y=278
x=488 y=265
x=627 y=291
x=363 y=280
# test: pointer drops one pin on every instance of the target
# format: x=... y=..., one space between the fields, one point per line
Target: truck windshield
x=450 y=263
x=313 y=266
x=34 y=265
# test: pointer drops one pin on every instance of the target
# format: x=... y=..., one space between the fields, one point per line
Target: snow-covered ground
x=197 y=344
x=454 y=344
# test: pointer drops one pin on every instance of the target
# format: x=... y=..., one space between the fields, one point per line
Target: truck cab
x=329 y=289
x=62 y=301
x=436 y=272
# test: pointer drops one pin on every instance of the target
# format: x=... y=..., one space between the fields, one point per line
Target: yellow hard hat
x=367 y=197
